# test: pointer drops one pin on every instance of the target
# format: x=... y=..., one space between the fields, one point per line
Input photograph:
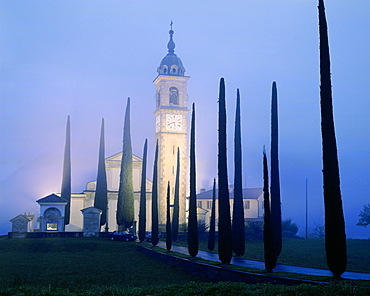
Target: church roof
x=21 y=217
x=171 y=64
x=51 y=198
x=248 y=193
x=118 y=157
x=171 y=59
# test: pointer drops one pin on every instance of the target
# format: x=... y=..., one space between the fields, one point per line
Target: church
x=171 y=133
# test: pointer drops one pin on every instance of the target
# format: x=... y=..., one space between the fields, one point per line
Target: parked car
x=148 y=236
x=123 y=235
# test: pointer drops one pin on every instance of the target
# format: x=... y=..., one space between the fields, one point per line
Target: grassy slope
x=81 y=266
x=81 y=262
x=199 y=289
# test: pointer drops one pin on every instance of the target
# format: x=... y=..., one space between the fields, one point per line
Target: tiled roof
x=24 y=217
x=51 y=198
x=248 y=193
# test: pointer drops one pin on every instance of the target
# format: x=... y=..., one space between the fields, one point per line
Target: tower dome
x=171 y=64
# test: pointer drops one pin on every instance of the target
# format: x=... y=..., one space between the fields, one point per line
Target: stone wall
x=91 y=226
x=52 y=234
x=20 y=224
x=217 y=273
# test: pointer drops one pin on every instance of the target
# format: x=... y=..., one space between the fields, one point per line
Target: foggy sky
x=84 y=58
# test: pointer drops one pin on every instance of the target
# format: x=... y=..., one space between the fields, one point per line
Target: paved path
x=261 y=265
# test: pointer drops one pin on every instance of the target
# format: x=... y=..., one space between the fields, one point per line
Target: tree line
x=231 y=234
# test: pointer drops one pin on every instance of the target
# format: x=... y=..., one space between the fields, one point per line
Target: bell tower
x=171 y=128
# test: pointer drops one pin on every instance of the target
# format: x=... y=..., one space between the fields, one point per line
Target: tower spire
x=171 y=44
x=171 y=64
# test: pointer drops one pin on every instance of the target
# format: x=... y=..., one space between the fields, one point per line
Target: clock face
x=157 y=124
x=173 y=122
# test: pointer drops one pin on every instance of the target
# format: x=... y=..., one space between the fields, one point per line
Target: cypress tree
x=275 y=178
x=193 y=223
x=142 y=210
x=66 y=180
x=176 y=203
x=335 y=236
x=101 y=192
x=125 y=205
x=212 y=227
x=238 y=233
x=268 y=236
x=155 y=227
x=168 y=221
x=224 y=225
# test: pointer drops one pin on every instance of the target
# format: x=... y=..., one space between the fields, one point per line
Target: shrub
x=254 y=230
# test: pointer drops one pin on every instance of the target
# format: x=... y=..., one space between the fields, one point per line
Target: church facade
x=80 y=201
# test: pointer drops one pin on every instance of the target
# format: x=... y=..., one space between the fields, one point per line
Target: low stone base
x=91 y=234
x=217 y=274
x=54 y=234
x=17 y=234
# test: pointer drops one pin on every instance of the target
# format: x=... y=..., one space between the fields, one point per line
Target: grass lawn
x=306 y=252
x=98 y=266
x=81 y=263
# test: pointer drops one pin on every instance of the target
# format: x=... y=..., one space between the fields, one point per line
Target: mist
x=84 y=59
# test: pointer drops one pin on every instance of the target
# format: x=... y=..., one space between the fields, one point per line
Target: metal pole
x=306 y=209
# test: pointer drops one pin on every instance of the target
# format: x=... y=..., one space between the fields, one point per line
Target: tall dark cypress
x=193 y=223
x=66 y=180
x=268 y=236
x=238 y=233
x=212 y=226
x=335 y=235
x=225 y=250
x=168 y=221
x=155 y=227
x=275 y=178
x=176 y=202
x=101 y=192
x=125 y=204
x=142 y=209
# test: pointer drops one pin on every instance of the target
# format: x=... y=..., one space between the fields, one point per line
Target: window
x=174 y=96
x=199 y=203
x=209 y=204
x=247 y=204
x=51 y=226
x=158 y=99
